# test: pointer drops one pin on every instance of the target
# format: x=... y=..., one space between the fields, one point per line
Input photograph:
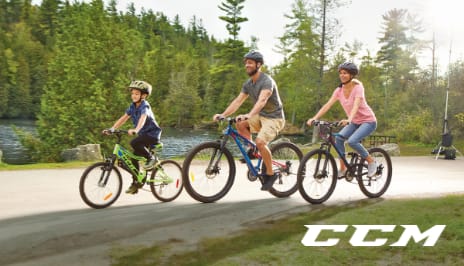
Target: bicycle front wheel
x=166 y=181
x=286 y=158
x=317 y=176
x=208 y=172
x=100 y=185
x=377 y=185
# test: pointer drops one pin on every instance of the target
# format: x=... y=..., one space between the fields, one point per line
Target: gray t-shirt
x=273 y=107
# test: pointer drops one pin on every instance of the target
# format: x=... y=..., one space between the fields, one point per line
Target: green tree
x=397 y=57
x=226 y=73
x=233 y=10
x=183 y=103
x=298 y=44
x=88 y=77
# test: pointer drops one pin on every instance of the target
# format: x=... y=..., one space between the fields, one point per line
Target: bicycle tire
x=290 y=155
x=166 y=188
x=384 y=173
x=198 y=179
x=95 y=194
x=316 y=184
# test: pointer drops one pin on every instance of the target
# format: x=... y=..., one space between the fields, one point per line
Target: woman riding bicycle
x=361 y=120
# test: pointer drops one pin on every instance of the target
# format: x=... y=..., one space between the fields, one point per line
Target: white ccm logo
x=359 y=235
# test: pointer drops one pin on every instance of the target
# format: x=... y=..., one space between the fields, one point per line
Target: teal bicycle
x=101 y=183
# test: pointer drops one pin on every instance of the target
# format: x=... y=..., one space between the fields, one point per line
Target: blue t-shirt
x=151 y=127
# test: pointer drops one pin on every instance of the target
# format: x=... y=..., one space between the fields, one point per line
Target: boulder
x=87 y=152
x=392 y=149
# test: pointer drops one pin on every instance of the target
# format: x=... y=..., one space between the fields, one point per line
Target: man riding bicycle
x=265 y=118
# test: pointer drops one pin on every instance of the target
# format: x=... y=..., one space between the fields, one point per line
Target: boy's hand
x=132 y=132
x=108 y=131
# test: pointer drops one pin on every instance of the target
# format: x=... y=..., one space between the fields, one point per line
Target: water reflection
x=13 y=151
x=177 y=142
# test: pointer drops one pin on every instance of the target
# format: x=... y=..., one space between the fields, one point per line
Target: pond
x=177 y=142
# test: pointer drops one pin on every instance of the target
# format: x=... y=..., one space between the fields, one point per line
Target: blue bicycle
x=208 y=171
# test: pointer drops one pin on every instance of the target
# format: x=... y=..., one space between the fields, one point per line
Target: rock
x=392 y=149
x=88 y=152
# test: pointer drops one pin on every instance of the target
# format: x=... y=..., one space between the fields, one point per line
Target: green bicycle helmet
x=140 y=85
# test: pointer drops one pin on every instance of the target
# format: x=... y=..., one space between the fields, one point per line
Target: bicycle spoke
x=166 y=181
x=98 y=193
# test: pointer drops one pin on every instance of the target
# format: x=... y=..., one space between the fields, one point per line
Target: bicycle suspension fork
x=213 y=165
x=107 y=168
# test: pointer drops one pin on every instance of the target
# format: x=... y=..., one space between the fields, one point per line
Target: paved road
x=43 y=221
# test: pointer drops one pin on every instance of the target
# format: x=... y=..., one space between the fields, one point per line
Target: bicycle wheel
x=317 y=176
x=286 y=158
x=100 y=185
x=166 y=181
x=208 y=172
x=374 y=187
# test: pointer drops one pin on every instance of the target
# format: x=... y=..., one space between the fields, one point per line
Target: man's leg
x=269 y=131
x=265 y=154
x=243 y=128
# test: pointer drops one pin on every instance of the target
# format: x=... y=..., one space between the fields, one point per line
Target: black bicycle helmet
x=140 y=85
x=350 y=67
x=254 y=55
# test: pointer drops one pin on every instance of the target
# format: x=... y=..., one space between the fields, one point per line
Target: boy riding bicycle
x=145 y=127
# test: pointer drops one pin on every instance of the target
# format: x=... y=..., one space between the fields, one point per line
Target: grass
x=278 y=242
x=33 y=166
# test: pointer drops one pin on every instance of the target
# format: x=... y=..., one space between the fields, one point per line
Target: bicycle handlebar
x=231 y=120
x=330 y=124
x=115 y=131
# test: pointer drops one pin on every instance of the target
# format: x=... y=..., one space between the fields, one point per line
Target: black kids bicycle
x=101 y=183
x=209 y=169
x=318 y=172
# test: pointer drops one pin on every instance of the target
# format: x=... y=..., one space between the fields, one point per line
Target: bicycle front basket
x=324 y=131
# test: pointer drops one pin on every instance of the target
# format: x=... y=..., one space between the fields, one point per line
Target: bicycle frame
x=241 y=143
x=123 y=154
x=328 y=143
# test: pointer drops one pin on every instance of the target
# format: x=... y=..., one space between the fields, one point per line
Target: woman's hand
x=310 y=121
x=344 y=122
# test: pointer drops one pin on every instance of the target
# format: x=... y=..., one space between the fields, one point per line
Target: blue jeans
x=353 y=134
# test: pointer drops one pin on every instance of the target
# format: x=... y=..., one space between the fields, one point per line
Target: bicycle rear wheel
x=100 y=185
x=376 y=186
x=286 y=158
x=317 y=176
x=166 y=181
x=208 y=172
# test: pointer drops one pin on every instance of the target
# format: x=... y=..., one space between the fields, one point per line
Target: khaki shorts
x=267 y=128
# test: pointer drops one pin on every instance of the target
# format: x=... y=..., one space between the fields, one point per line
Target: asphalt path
x=43 y=220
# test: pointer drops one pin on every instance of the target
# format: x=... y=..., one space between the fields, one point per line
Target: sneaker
x=149 y=164
x=268 y=181
x=133 y=189
x=251 y=154
x=371 y=169
x=341 y=173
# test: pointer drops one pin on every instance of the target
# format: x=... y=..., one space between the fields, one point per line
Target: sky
x=361 y=20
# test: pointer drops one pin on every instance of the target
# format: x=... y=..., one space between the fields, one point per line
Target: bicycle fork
x=105 y=174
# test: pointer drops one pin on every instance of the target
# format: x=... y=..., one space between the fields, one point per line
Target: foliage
x=68 y=64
